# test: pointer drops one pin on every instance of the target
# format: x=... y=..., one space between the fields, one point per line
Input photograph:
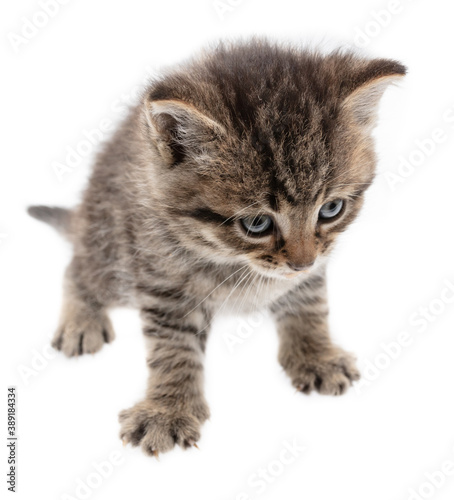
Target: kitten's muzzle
x=300 y=267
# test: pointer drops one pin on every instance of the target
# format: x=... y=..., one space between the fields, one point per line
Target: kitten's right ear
x=179 y=130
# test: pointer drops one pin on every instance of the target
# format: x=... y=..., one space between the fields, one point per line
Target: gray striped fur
x=244 y=129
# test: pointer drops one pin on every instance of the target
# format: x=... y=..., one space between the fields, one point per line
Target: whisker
x=246 y=288
x=239 y=211
x=214 y=289
x=243 y=276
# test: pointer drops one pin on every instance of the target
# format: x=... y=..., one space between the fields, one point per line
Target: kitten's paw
x=157 y=430
x=331 y=374
x=83 y=334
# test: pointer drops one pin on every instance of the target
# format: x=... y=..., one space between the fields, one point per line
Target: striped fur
x=245 y=129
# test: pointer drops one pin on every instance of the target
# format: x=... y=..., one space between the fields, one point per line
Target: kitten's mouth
x=287 y=275
x=294 y=274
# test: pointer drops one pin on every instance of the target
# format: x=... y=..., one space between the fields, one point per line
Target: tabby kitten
x=225 y=188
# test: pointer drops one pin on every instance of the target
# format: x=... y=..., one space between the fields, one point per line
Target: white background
x=379 y=441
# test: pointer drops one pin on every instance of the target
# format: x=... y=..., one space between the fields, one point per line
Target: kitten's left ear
x=371 y=81
x=179 y=130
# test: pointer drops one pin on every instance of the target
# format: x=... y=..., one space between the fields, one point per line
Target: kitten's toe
x=77 y=335
x=330 y=375
x=158 y=430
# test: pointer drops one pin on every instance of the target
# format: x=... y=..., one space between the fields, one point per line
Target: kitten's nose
x=300 y=267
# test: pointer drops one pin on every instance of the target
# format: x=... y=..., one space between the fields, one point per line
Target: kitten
x=224 y=189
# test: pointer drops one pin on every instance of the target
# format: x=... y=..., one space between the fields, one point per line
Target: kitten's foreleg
x=306 y=351
x=174 y=407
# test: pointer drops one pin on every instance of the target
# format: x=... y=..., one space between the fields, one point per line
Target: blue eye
x=331 y=209
x=257 y=224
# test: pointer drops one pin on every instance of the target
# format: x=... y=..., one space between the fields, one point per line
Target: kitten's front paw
x=330 y=373
x=83 y=333
x=157 y=430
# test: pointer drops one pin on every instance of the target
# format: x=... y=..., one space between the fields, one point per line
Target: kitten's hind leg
x=84 y=326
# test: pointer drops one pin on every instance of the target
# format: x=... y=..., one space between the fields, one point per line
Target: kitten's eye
x=331 y=209
x=258 y=224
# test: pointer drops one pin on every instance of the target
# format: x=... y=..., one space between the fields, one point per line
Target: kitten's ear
x=361 y=104
x=179 y=130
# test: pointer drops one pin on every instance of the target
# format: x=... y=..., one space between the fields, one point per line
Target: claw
x=190 y=442
x=155 y=453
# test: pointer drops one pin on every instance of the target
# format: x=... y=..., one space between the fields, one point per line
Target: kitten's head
x=262 y=154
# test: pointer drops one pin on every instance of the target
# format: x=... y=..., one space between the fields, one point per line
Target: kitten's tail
x=59 y=218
